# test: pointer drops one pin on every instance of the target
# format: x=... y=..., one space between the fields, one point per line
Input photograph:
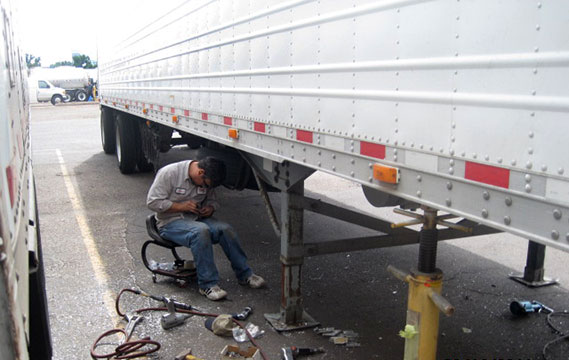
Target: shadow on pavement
x=346 y=291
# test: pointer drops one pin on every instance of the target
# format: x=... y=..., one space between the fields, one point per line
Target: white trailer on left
x=24 y=325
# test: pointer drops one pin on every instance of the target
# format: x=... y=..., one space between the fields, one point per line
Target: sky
x=54 y=29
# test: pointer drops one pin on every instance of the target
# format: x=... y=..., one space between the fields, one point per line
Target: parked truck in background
x=24 y=326
x=76 y=83
x=443 y=106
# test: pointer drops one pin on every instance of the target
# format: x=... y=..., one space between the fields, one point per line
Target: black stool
x=180 y=269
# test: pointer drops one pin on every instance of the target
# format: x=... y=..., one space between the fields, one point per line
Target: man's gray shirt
x=173 y=184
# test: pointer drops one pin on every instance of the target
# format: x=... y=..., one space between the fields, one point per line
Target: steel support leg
x=292 y=315
x=534 y=271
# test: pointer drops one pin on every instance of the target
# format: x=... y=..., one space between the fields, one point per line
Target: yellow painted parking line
x=88 y=240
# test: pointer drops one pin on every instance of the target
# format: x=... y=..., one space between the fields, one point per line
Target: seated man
x=183 y=197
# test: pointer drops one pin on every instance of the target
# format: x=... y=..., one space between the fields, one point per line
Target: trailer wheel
x=56 y=99
x=66 y=98
x=81 y=95
x=125 y=138
x=108 y=137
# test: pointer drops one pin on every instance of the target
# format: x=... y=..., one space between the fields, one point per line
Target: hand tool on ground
x=172 y=319
x=132 y=320
x=526 y=307
x=292 y=353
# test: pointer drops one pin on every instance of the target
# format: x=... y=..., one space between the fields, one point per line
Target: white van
x=49 y=92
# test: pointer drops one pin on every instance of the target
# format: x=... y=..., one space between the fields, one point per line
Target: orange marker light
x=233 y=133
x=386 y=174
x=145 y=111
x=126 y=106
x=175 y=119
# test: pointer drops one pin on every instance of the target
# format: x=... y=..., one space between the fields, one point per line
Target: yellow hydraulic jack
x=425 y=285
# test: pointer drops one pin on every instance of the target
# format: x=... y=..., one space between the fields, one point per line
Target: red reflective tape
x=204 y=116
x=186 y=112
x=487 y=174
x=374 y=150
x=172 y=110
x=260 y=127
x=227 y=120
x=160 y=107
x=151 y=106
x=11 y=184
x=303 y=135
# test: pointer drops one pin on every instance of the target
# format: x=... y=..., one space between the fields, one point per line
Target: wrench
x=133 y=320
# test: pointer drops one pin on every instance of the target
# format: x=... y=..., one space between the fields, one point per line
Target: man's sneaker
x=254 y=281
x=214 y=293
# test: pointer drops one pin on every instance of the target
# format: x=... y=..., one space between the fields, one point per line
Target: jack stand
x=292 y=315
x=425 y=300
x=534 y=270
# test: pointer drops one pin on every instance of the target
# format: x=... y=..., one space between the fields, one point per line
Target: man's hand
x=206 y=211
x=185 y=206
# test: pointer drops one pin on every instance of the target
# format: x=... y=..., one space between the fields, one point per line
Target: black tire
x=56 y=99
x=40 y=346
x=66 y=98
x=81 y=96
x=108 y=137
x=126 y=131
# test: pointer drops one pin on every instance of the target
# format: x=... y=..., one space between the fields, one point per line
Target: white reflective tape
x=421 y=161
x=334 y=142
x=557 y=190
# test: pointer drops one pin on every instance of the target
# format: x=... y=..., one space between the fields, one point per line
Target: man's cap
x=222 y=325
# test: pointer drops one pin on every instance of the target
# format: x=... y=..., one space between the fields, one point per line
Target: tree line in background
x=82 y=61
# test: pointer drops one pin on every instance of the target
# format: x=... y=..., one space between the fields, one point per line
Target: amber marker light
x=386 y=174
x=175 y=119
x=145 y=111
x=126 y=106
x=233 y=133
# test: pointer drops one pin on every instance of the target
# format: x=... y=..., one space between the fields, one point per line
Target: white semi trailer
x=448 y=106
x=24 y=326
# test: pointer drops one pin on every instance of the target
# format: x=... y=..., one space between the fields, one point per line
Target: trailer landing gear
x=534 y=271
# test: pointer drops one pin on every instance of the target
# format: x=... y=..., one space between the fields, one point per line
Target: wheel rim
x=81 y=96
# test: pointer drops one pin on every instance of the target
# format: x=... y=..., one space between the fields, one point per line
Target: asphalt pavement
x=93 y=226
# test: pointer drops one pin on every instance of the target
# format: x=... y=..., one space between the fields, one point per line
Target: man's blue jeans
x=200 y=236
